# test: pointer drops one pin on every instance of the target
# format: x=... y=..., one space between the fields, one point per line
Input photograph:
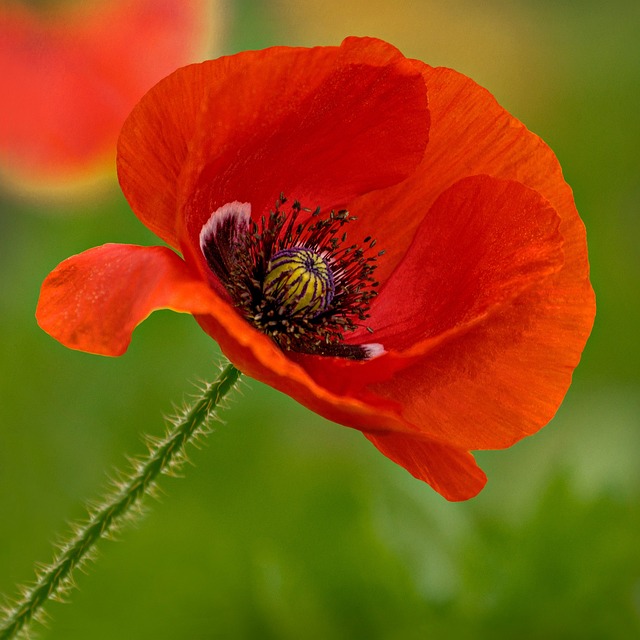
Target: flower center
x=300 y=281
x=294 y=276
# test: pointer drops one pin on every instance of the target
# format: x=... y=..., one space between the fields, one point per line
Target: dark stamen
x=294 y=277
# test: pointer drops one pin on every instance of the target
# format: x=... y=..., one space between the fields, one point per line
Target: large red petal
x=70 y=80
x=453 y=473
x=502 y=379
x=482 y=244
x=323 y=125
x=470 y=134
x=363 y=127
x=94 y=300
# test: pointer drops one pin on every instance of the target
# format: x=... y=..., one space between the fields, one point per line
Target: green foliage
x=122 y=504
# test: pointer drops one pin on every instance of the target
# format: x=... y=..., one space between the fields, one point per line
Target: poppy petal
x=483 y=243
x=499 y=381
x=366 y=120
x=322 y=125
x=470 y=134
x=93 y=301
x=256 y=355
x=453 y=473
x=67 y=90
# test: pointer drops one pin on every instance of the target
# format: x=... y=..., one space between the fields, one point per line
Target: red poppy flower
x=71 y=78
x=424 y=279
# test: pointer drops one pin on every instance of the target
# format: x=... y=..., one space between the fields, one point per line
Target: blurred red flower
x=462 y=335
x=69 y=79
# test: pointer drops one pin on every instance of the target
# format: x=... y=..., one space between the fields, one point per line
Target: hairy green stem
x=163 y=457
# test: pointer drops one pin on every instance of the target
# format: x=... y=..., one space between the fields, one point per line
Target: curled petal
x=482 y=244
x=453 y=473
x=220 y=236
x=256 y=355
x=93 y=301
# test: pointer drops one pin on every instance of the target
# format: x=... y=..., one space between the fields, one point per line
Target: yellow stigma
x=299 y=281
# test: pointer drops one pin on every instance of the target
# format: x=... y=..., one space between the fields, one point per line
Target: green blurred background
x=292 y=527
